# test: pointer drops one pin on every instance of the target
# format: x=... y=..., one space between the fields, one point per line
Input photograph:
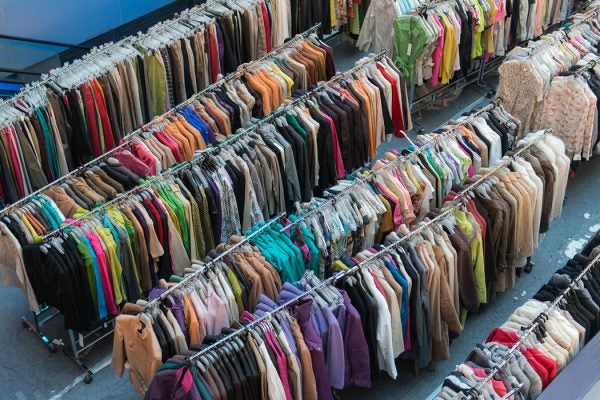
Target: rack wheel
x=88 y=379
x=52 y=348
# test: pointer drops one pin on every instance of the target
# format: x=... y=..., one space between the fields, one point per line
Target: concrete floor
x=29 y=371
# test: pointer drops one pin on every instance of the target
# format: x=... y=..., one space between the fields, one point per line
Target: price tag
x=409 y=49
x=81 y=340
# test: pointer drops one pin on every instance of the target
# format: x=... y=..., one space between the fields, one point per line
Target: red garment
x=543 y=365
x=337 y=152
x=133 y=163
x=157 y=220
x=397 y=117
x=265 y=15
x=14 y=160
x=145 y=156
x=212 y=54
x=92 y=123
x=109 y=140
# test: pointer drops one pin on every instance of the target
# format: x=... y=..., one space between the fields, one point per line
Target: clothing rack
x=418 y=150
x=205 y=153
x=536 y=322
x=101 y=51
x=455 y=204
x=212 y=262
x=128 y=139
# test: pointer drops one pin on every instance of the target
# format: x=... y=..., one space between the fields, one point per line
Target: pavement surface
x=29 y=371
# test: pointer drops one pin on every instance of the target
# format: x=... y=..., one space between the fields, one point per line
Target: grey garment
x=274 y=190
x=130 y=274
x=64 y=127
x=230 y=216
x=81 y=200
x=136 y=103
x=116 y=164
x=107 y=179
x=291 y=174
x=424 y=350
x=256 y=181
x=126 y=100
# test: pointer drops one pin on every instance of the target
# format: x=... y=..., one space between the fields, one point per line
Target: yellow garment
x=477 y=50
x=449 y=52
x=36 y=237
x=289 y=81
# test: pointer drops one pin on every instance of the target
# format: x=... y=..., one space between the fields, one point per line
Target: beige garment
x=137 y=352
x=520 y=100
x=569 y=110
x=12 y=266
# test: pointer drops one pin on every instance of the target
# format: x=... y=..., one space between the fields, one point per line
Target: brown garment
x=136 y=351
x=64 y=202
x=262 y=369
x=309 y=383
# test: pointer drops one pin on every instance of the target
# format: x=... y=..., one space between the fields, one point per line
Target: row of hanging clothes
x=155 y=229
x=560 y=318
x=435 y=42
x=85 y=109
x=390 y=304
x=560 y=68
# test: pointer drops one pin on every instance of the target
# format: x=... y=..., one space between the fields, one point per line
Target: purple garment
x=315 y=346
x=221 y=48
x=358 y=368
x=264 y=305
x=334 y=352
x=288 y=292
x=174 y=303
x=216 y=213
x=169 y=384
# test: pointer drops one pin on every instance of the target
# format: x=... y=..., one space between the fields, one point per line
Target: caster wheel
x=421 y=131
x=88 y=379
x=52 y=349
x=24 y=324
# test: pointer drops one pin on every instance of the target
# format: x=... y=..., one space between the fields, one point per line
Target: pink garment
x=217 y=318
x=437 y=53
x=144 y=155
x=14 y=160
x=133 y=163
x=377 y=284
x=337 y=153
x=104 y=275
x=281 y=364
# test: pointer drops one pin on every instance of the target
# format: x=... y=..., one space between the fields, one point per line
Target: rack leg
x=35 y=325
x=73 y=354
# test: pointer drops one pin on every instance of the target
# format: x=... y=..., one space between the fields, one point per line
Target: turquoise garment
x=312 y=262
x=410 y=39
x=280 y=251
x=50 y=147
x=49 y=213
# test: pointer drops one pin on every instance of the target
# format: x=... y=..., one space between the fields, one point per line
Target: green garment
x=157 y=81
x=298 y=128
x=410 y=39
x=477 y=50
x=89 y=269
